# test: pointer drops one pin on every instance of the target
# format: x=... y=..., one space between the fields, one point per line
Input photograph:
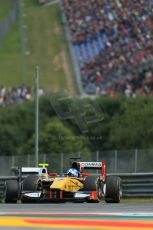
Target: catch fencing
x=9 y=20
x=118 y=161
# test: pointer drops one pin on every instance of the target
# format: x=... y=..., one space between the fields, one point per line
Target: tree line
x=71 y=125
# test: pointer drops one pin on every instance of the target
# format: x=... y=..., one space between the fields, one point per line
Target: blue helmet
x=72 y=172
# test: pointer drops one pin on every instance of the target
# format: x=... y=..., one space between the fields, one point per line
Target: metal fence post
x=115 y=163
x=28 y=160
x=97 y=158
x=13 y=161
x=61 y=163
x=44 y=158
x=136 y=160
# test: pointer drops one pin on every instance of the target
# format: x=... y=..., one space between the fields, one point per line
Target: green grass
x=46 y=45
x=10 y=70
x=5 y=7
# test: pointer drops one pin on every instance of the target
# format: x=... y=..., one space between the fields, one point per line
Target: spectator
x=14 y=95
x=122 y=32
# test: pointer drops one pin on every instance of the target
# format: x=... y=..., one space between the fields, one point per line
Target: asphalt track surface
x=127 y=216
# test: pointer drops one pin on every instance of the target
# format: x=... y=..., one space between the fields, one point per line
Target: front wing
x=60 y=196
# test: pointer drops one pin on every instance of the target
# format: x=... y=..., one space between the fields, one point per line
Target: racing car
x=41 y=186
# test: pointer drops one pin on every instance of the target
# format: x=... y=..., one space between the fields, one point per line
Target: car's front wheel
x=92 y=183
x=29 y=184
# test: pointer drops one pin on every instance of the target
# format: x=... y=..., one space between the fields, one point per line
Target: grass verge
x=45 y=45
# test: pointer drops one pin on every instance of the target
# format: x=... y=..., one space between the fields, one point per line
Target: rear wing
x=95 y=165
x=31 y=170
x=22 y=172
x=35 y=170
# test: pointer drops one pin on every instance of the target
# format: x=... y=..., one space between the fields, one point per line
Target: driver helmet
x=72 y=172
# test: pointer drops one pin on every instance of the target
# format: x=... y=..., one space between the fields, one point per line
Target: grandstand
x=113 y=43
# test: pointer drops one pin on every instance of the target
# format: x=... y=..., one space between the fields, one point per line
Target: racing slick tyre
x=93 y=183
x=11 y=192
x=30 y=184
x=113 y=189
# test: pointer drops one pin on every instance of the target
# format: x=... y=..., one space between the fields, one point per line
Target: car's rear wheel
x=92 y=183
x=113 y=189
x=11 y=192
x=30 y=184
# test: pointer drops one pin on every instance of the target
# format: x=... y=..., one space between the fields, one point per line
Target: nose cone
x=60 y=183
x=68 y=184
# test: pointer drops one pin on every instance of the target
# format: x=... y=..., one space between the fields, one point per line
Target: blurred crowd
x=17 y=95
x=124 y=65
x=14 y=95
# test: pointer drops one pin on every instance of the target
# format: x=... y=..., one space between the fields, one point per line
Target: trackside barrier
x=134 y=185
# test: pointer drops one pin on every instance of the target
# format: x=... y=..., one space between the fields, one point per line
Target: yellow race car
x=40 y=186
